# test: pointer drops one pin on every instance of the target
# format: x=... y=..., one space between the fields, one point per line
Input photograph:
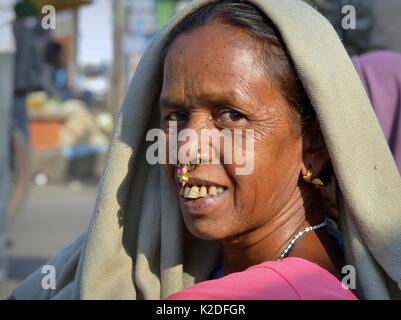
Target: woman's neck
x=269 y=241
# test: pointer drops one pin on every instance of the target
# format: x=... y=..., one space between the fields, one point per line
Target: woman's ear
x=315 y=154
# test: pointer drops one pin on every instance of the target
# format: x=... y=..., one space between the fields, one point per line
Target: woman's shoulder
x=287 y=279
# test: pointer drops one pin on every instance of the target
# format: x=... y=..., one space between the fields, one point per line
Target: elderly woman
x=278 y=69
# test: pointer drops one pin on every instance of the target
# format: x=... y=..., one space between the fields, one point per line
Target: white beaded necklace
x=318 y=226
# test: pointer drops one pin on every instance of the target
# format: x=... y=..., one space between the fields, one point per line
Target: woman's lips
x=200 y=196
x=201 y=206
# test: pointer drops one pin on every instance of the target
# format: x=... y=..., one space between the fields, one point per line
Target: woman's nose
x=189 y=142
x=194 y=139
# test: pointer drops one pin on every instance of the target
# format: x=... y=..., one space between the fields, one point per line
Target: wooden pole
x=117 y=74
x=73 y=54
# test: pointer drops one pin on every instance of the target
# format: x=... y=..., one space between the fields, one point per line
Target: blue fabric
x=335 y=235
x=218 y=273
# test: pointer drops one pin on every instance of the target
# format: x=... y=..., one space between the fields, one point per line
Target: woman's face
x=213 y=80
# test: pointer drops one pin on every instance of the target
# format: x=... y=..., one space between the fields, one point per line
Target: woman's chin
x=206 y=230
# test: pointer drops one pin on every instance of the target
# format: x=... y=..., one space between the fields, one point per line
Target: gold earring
x=316 y=181
x=183 y=169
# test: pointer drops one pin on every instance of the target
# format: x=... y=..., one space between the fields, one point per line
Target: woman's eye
x=176 y=116
x=230 y=116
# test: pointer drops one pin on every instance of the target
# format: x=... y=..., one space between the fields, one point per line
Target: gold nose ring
x=183 y=169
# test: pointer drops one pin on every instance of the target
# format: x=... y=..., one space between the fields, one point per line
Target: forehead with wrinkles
x=210 y=60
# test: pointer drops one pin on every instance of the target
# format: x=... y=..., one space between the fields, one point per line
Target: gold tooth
x=203 y=192
x=194 y=192
x=212 y=190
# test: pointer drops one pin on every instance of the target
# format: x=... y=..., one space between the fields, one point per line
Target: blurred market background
x=64 y=88
x=60 y=90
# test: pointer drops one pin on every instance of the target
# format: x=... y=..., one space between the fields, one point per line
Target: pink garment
x=288 y=279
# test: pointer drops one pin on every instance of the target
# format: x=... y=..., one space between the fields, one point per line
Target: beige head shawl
x=137 y=247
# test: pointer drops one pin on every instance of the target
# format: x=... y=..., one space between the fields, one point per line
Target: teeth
x=193 y=194
x=203 y=192
x=212 y=190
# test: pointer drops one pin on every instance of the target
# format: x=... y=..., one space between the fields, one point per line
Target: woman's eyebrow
x=207 y=100
x=165 y=102
x=226 y=97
